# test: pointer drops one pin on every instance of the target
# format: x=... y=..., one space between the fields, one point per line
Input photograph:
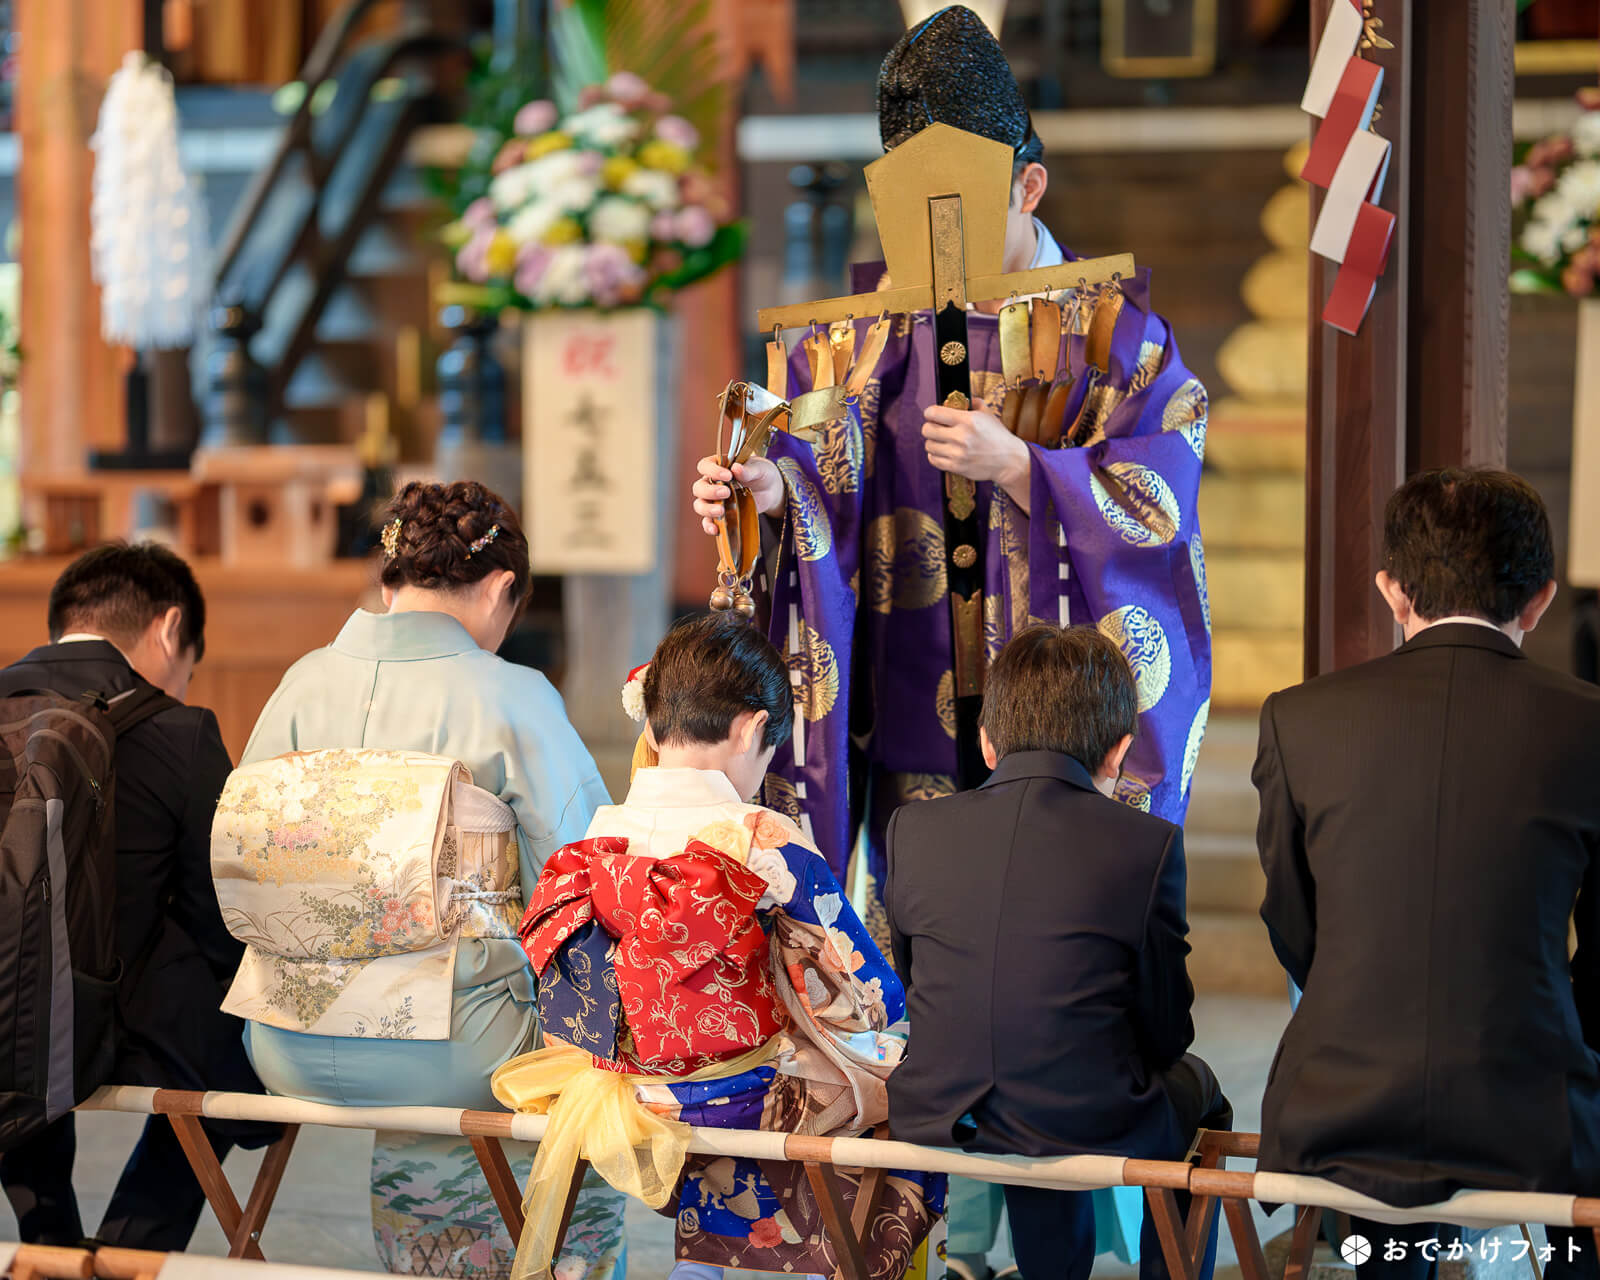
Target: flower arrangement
x=1555 y=208
x=604 y=206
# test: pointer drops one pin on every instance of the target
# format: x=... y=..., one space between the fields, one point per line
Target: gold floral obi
x=351 y=875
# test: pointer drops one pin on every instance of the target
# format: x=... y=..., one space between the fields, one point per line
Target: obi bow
x=691 y=960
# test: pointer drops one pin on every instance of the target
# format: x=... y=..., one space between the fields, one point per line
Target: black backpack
x=58 y=846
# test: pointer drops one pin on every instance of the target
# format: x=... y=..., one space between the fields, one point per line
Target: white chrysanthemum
x=563 y=280
x=529 y=223
x=657 y=189
x=1543 y=241
x=513 y=188
x=1586 y=134
x=572 y=195
x=619 y=221
x=1579 y=187
x=603 y=125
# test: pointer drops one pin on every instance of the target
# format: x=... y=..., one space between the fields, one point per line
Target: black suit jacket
x=1040 y=931
x=1429 y=822
x=177 y=956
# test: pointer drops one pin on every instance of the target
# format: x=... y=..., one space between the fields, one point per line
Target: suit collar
x=1464 y=635
x=1041 y=764
x=99 y=652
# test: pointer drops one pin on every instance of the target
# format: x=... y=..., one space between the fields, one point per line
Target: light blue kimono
x=418 y=682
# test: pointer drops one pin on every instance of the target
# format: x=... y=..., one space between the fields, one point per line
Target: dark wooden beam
x=1424 y=381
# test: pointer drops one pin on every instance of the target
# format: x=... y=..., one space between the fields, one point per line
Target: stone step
x=1254 y=590
x=1254 y=512
x=1224 y=874
x=1230 y=953
x=1245 y=437
x=1247 y=665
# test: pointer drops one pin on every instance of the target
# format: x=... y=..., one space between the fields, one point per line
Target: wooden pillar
x=71 y=381
x=1423 y=383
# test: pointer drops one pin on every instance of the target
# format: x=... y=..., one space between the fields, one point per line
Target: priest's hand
x=760 y=475
x=975 y=444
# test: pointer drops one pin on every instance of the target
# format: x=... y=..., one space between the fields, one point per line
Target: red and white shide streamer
x=1350 y=162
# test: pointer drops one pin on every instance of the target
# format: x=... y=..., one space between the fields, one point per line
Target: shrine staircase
x=1252 y=504
x=322 y=275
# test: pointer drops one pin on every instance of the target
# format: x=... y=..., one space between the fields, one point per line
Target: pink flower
x=393 y=921
x=627 y=89
x=1522 y=183
x=380 y=937
x=677 y=130
x=482 y=1252
x=1577 y=281
x=535 y=117
x=532 y=262
x=611 y=274
x=664 y=226
x=512 y=153
x=589 y=95
x=479 y=215
x=695 y=226
x=590 y=163
x=472 y=260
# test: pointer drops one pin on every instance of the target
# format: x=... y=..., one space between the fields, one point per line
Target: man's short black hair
x=1467 y=542
x=1066 y=689
x=706 y=672
x=117 y=590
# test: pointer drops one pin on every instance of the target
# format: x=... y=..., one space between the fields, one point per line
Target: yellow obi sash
x=595 y=1115
x=350 y=875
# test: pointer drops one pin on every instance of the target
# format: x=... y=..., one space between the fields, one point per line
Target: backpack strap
x=134 y=707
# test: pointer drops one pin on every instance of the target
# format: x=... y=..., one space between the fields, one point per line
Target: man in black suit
x=1040 y=930
x=1429 y=823
x=121 y=617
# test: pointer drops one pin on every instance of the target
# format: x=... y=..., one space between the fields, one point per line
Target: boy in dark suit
x=1039 y=926
x=1430 y=821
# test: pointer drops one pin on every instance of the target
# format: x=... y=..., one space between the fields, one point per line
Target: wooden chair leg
x=263 y=1193
x=852 y=1262
x=867 y=1203
x=1308 y=1221
x=208 y=1172
x=578 y=1175
x=1169 y=1230
x=503 y=1184
x=1202 y=1217
x=1246 y=1240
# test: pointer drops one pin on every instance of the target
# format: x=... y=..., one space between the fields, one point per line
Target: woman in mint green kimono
x=424 y=677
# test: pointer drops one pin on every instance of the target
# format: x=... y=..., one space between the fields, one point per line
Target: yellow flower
x=563 y=231
x=502 y=255
x=617 y=170
x=667 y=156
x=545 y=143
x=638 y=250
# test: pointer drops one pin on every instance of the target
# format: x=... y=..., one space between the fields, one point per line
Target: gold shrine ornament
x=953 y=353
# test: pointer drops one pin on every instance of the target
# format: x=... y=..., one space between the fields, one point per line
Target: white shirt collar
x=1460 y=617
x=77 y=637
x=681 y=789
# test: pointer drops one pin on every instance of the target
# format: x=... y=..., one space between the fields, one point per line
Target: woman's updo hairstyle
x=708 y=670
x=442 y=537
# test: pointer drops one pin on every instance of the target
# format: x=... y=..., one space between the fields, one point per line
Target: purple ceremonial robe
x=858 y=589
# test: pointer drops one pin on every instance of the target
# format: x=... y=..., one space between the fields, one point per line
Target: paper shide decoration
x=1348 y=161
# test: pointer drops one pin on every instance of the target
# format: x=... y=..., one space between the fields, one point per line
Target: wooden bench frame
x=47 y=1262
x=1203 y=1175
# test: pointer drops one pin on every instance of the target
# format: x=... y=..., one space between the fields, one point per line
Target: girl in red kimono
x=700 y=965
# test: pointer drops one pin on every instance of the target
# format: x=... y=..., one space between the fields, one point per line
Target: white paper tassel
x=148 y=243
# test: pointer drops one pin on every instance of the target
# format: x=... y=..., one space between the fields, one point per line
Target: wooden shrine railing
x=1204 y=1176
